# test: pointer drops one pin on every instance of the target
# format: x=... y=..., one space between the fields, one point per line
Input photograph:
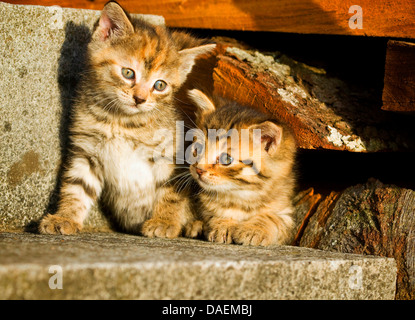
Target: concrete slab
x=119 y=266
x=41 y=57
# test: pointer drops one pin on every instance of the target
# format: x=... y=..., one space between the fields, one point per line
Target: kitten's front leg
x=81 y=186
x=220 y=229
x=171 y=213
x=193 y=229
x=264 y=229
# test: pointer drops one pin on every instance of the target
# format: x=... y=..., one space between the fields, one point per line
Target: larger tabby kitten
x=125 y=99
x=247 y=186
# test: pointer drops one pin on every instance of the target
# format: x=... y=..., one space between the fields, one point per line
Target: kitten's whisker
x=175 y=177
x=105 y=99
x=186 y=113
x=108 y=105
x=183 y=177
x=188 y=104
x=184 y=183
x=188 y=183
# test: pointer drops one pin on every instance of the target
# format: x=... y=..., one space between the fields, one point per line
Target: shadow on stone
x=72 y=63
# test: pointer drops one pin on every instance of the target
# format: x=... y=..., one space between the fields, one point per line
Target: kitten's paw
x=221 y=232
x=251 y=234
x=54 y=224
x=161 y=228
x=193 y=229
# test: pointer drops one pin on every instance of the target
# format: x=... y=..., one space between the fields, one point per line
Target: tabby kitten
x=125 y=100
x=246 y=187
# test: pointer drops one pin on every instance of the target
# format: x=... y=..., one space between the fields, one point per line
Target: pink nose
x=200 y=171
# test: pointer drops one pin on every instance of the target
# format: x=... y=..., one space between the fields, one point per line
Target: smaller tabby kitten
x=245 y=198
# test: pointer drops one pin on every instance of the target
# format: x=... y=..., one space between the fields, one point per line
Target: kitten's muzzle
x=139 y=100
x=200 y=171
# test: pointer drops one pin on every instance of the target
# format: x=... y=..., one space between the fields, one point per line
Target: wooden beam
x=399 y=82
x=381 y=18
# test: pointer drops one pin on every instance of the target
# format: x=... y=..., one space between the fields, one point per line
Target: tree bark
x=324 y=112
x=373 y=219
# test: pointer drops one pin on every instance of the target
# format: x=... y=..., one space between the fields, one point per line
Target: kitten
x=125 y=98
x=246 y=195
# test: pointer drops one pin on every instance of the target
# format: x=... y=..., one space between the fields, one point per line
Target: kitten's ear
x=204 y=104
x=188 y=57
x=113 y=21
x=271 y=136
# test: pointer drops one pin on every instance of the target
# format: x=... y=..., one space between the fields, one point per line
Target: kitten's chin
x=209 y=186
x=132 y=109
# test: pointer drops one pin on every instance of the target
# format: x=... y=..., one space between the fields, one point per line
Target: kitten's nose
x=139 y=100
x=200 y=171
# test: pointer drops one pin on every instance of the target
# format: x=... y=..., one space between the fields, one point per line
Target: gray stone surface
x=119 y=266
x=41 y=57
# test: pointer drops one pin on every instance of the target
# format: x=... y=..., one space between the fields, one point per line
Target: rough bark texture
x=314 y=230
x=374 y=219
x=305 y=203
x=399 y=81
x=324 y=112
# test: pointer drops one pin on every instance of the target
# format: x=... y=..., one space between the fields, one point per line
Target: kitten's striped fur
x=240 y=202
x=113 y=129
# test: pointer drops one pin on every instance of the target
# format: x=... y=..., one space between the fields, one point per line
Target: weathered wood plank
x=399 y=81
x=383 y=18
x=374 y=219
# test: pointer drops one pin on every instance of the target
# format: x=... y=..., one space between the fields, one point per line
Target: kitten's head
x=135 y=67
x=248 y=152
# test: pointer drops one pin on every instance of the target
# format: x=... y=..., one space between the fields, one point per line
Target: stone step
x=120 y=266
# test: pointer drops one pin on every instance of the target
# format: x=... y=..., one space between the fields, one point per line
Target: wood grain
x=382 y=18
x=399 y=81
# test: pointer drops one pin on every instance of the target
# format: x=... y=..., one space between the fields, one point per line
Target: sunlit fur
x=245 y=203
x=113 y=132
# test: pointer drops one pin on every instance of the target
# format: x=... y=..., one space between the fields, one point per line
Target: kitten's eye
x=225 y=159
x=160 y=85
x=128 y=73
